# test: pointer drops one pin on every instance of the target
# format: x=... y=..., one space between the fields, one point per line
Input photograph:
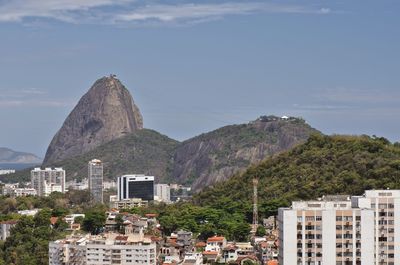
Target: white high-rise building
x=326 y=232
x=95 y=178
x=48 y=180
x=386 y=227
x=162 y=192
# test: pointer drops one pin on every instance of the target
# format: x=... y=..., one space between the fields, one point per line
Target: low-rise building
x=106 y=249
x=129 y=203
x=6 y=171
x=32 y=212
x=193 y=259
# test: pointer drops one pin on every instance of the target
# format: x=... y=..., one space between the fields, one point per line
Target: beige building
x=328 y=231
x=128 y=204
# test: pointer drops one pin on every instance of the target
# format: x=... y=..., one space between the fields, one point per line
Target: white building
x=69 y=251
x=136 y=186
x=5 y=228
x=32 y=212
x=6 y=171
x=386 y=226
x=193 y=259
x=95 y=177
x=326 y=232
x=23 y=192
x=162 y=192
x=75 y=185
x=109 y=185
x=48 y=180
x=104 y=249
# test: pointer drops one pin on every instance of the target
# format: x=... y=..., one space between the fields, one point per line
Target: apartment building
x=386 y=227
x=95 y=180
x=328 y=231
x=68 y=251
x=103 y=249
x=48 y=180
x=162 y=192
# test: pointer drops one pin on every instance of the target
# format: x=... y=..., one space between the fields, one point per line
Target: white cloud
x=34 y=103
x=17 y=10
x=134 y=12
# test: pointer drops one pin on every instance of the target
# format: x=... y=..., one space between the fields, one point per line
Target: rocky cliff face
x=106 y=112
x=218 y=155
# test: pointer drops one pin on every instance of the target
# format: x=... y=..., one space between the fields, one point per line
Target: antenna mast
x=255 y=205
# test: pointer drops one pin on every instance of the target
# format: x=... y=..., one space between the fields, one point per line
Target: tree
x=61 y=225
x=120 y=223
x=261 y=231
x=94 y=221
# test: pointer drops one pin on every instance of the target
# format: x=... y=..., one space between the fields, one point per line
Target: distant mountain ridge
x=200 y=161
x=8 y=156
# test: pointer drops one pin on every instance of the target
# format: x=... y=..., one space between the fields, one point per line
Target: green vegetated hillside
x=144 y=151
x=323 y=165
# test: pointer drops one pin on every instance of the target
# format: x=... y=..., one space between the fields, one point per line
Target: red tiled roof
x=53 y=220
x=215 y=239
x=9 y=222
x=151 y=215
x=210 y=252
x=200 y=244
x=121 y=238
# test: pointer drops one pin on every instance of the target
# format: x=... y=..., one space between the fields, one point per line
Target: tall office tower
x=136 y=186
x=162 y=192
x=326 y=232
x=95 y=178
x=386 y=227
x=48 y=180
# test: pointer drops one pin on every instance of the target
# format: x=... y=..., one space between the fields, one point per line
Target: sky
x=194 y=66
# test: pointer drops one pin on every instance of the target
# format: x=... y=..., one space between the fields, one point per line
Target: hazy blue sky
x=195 y=66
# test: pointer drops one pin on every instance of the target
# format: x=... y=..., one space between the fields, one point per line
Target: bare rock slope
x=106 y=112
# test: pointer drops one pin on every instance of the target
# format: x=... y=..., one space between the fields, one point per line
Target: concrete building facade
x=48 y=180
x=162 y=192
x=326 y=232
x=95 y=180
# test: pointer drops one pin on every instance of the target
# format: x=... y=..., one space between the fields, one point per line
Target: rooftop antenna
x=255 y=205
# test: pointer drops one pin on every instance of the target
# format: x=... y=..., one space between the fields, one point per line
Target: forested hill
x=322 y=165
